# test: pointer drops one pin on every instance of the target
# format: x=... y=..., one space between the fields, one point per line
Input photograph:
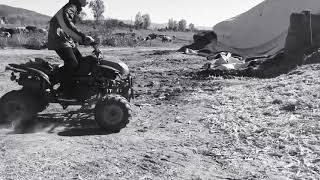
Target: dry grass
x=271 y=123
x=30 y=41
x=105 y=35
x=109 y=37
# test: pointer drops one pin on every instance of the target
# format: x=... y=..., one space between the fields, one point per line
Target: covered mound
x=201 y=41
x=263 y=29
x=279 y=38
x=302 y=42
x=260 y=31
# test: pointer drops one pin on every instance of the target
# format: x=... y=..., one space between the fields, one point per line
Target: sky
x=199 y=12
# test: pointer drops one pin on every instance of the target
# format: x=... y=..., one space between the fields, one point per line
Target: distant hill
x=19 y=16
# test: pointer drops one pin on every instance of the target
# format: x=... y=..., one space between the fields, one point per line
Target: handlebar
x=96 y=51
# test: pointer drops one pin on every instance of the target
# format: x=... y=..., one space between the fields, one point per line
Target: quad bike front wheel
x=19 y=106
x=112 y=113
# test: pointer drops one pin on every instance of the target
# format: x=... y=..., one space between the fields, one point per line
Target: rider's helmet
x=81 y=3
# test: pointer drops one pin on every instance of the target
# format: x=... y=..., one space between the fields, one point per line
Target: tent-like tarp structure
x=275 y=37
x=262 y=30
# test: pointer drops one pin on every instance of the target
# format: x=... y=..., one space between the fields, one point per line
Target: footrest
x=68 y=101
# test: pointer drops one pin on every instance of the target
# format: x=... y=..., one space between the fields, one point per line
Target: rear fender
x=29 y=71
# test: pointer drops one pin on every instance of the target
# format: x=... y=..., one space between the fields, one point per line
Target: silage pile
x=270 y=127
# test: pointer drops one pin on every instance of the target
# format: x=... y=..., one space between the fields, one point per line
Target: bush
x=30 y=41
x=119 y=41
x=3 y=42
x=16 y=41
x=35 y=43
x=106 y=37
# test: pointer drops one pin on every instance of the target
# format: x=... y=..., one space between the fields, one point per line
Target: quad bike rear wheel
x=112 y=113
x=20 y=106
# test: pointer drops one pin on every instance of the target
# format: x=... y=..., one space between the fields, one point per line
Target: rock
x=290 y=105
x=144 y=129
x=277 y=101
x=178 y=119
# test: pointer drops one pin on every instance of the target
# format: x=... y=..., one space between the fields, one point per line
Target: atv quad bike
x=107 y=84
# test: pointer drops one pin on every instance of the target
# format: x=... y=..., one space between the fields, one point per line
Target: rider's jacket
x=62 y=31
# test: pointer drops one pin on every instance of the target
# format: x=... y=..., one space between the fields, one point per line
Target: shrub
x=16 y=41
x=3 y=42
x=30 y=41
x=34 y=43
x=119 y=41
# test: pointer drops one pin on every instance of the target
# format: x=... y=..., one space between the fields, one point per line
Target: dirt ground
x=183 y=127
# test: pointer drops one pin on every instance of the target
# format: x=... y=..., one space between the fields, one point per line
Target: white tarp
x=263 y=29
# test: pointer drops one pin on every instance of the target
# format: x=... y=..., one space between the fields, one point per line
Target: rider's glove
x=88 y=40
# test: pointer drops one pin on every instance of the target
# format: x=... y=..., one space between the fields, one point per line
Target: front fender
x=115 y=64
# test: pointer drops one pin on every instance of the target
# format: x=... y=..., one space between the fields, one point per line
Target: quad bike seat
x=84 y=68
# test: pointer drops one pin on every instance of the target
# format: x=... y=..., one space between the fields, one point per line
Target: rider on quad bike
x=61 y=37
x=91 y=80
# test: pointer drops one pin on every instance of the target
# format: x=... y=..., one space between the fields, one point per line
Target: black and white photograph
x=159 y=90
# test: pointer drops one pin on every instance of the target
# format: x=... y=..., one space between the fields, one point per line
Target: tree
x=21 y=19
x=97 y=7
x=192 y=27
x=175 y=25
x=171 y=24
x=146 y=21
x=138 y=23
x=182 y=25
